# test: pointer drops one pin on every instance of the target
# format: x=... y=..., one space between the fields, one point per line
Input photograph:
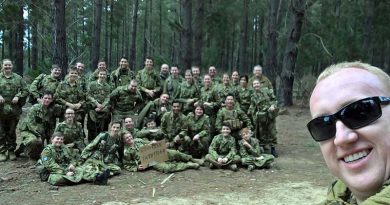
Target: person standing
x=122 y=75
x=45 y=83
x=13 y=94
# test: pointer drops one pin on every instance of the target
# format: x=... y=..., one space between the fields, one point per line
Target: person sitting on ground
x=222 y=150
x=177 y=161
x=104 y=153
x=351 y=122
x=251 y=153
x=58 y=167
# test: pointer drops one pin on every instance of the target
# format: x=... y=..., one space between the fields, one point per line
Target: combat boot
x=198 y=161
x=11 y=155
x=273 y=152
x=251 y=168
x=3 y=157
x=233 y=167
x=191 y=165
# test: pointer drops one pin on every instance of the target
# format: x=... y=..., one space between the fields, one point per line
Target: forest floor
x=299 y=176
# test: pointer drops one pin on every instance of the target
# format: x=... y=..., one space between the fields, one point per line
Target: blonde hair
x=382 y=76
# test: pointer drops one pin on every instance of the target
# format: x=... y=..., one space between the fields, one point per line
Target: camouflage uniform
x=11 y=87
x=56 y=160
x=209 y=95
x=264 y=81
x=72 y=134
x=148 y=79
x=71 y=94
x=236 y=118
x=42 y=83
x=264 y=121
x=38 y=126
x=134 y=131
x=124 y=103
x=103 y=153
x=244 y=98
x=201 y=127
x=171 y=86
x=222 y=146
x=97 y=121
x=171 y=126
x=222 y=91
x=121 y=77
x=250 y=156
x=177 y=161
x=187 y=91
x=150 y=134
x=340 y=194
x=153 y=109
x=82 y=80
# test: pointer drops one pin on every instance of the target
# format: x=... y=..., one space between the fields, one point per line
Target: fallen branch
x=166 y=179
x=154 y=191
x=142 y=182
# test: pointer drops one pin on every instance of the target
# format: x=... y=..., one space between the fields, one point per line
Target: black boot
x=273 y=152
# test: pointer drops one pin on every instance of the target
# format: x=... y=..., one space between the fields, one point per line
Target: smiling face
x=56 y=73
x=115 y=129
x=7 y=67
x=149 y=63
x=123 y=63
x=128 y=139
x=47 y=100
x=360 y=158
x=225 y=130
x=199 y=111
x=129 y=123
x=57 y=141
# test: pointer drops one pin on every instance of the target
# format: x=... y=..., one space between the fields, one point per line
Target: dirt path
x=299 y=176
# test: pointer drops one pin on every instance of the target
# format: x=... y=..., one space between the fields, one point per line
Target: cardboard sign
x=152 y=154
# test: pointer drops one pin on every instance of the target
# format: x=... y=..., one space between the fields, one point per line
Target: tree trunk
x=160 y=33
x=60 y=54
x=34 y=35
x=199 y=22
x=243 y=59
x=297 y=7
x=368 y=29
x=145 y=30
x=19 y=39
x=111 y=27
x=96 y=33
x=106 y=39
x=133 y=34
x=272 y=47
x=187 y=33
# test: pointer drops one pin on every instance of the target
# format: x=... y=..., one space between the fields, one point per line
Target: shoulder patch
x=45 y=158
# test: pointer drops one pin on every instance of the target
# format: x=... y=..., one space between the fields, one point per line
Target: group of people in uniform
x=226 y=122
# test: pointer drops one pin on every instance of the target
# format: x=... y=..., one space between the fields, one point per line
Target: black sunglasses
x=355 y=115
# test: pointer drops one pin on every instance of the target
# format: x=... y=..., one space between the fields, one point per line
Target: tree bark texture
x=60 y=55
x=133 y=34
x=97 y=26
x=187 y=33
x=271 y=63
x=297 y=7
x=243 y=59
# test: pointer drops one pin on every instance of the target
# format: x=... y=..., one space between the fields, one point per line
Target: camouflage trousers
x=177 y=161
x=259 y=162
x=93 y=167
x=196 y=149
x=265 y=131
x=63 y=179
x=33 y=145
x=7 y=133
x=213 y=160
x=94 y=128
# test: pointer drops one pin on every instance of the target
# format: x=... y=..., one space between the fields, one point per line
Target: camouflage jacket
x=262 y=100
x=11 y=87
x=94 y=76
x=222 y=91
x=122 y=100
x=148 y=80
x=236 y=118
x=72 y=134
x=200 y=126
x=41 y=120
x=41 y=83
x=249 y=152
x=172 y=125
x=98 y=93
x=171 y=86
x=223 y=147
x=121 y=77
x=153 y=109
x=209 y=95
x=339 y=194
x=57 y=159
x=131 y=157
x=104 y=148
x=71 y=94
x=264 y=82
x=244 y=98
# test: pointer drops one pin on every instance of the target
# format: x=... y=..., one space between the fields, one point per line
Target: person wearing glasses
x=351 y=122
